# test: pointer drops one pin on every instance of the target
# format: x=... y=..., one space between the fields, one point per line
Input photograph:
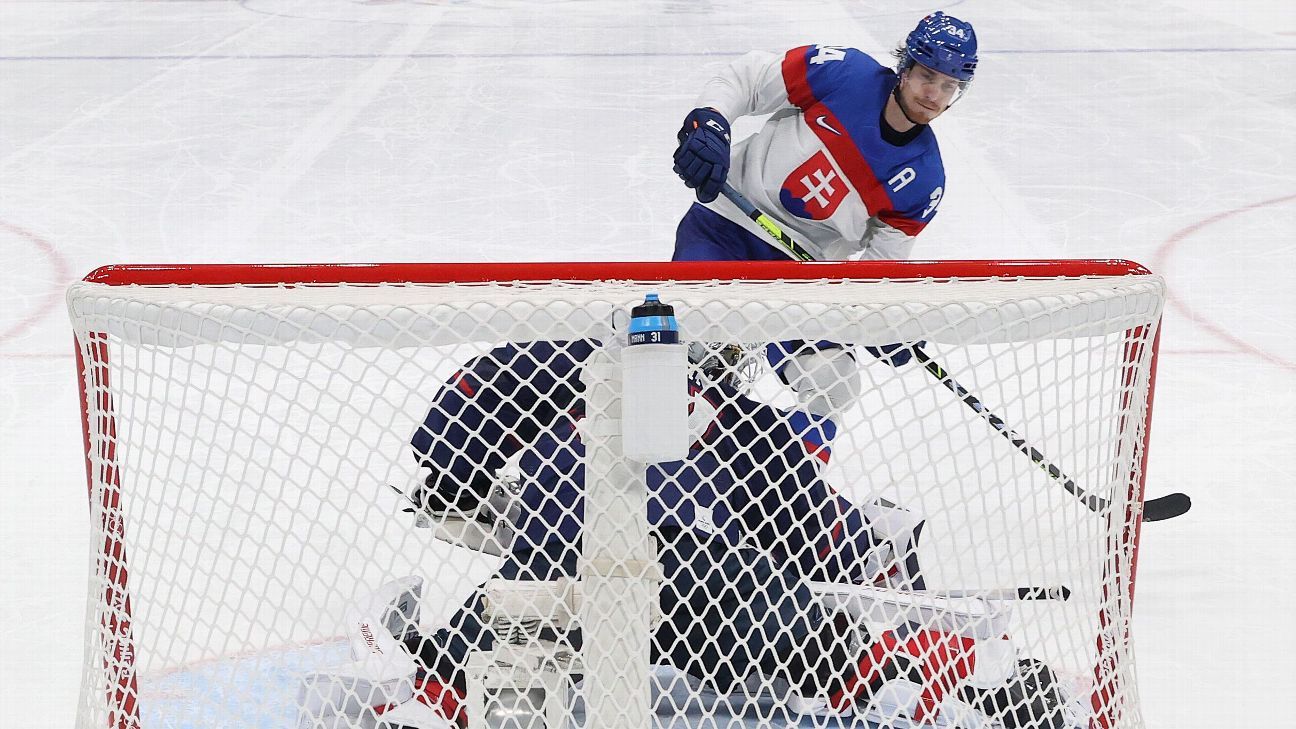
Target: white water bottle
x=654 y=395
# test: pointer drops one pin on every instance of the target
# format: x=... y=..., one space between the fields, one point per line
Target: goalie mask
x=720 y=363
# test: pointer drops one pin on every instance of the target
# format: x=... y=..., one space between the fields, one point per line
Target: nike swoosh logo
x=821 y=120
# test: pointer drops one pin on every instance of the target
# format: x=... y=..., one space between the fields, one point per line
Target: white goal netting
x=908 y=499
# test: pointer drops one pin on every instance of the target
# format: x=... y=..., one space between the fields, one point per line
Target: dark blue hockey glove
x=896 y=355
x=702 y=158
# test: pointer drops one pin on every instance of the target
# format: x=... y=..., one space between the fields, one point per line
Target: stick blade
x=1166 y=507
x=1060 y=592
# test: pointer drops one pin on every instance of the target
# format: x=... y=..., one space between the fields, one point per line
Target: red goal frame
x=101 y=458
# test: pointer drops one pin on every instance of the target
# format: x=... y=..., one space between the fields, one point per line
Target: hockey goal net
x=386 y=495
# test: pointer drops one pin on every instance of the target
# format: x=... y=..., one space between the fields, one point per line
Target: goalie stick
x=1056 y=592
x=1049 y=592
x=1158 y=509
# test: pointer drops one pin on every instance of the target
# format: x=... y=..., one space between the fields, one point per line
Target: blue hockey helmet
x=943 y=43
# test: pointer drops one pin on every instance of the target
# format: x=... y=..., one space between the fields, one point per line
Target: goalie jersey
x=752 y=476
x=821 y=164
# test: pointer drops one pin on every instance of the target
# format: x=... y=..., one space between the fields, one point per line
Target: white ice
x=521 y=130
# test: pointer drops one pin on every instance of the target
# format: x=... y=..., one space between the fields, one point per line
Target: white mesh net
x=404 y=505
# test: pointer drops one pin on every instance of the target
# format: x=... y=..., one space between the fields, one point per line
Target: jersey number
x=828 y=53
x=935 y=200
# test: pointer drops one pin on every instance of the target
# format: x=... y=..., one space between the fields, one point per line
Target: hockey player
x=743 y=524
x=846 y=163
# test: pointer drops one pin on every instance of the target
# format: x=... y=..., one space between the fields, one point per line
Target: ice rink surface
x=515 y=130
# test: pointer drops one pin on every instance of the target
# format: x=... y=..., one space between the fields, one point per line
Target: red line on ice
x=59 y=279
x=1166 y=250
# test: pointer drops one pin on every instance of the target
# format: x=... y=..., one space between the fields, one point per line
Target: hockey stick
x=1058 y=592
x=1158 y=509
x=846 y=591
x=766 y=222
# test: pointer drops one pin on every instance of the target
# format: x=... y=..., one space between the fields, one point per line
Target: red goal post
x=1022 y=322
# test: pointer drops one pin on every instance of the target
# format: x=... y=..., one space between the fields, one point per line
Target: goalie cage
x=244 y=426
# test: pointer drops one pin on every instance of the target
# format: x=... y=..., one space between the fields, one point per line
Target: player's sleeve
x=882 y=242
x=823 y=74
x=843 y=546
x=791 y=510
x=844 y=543
x=890 y=233
x=753 y=84
x=763 y=83
x=836 y=540
x=552 y=498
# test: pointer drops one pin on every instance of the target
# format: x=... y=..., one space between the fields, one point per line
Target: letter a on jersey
x=814 y=190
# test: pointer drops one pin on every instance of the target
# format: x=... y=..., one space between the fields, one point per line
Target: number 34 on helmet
x=945 y=44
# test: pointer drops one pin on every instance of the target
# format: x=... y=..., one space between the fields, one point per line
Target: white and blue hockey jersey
x=820 y=164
